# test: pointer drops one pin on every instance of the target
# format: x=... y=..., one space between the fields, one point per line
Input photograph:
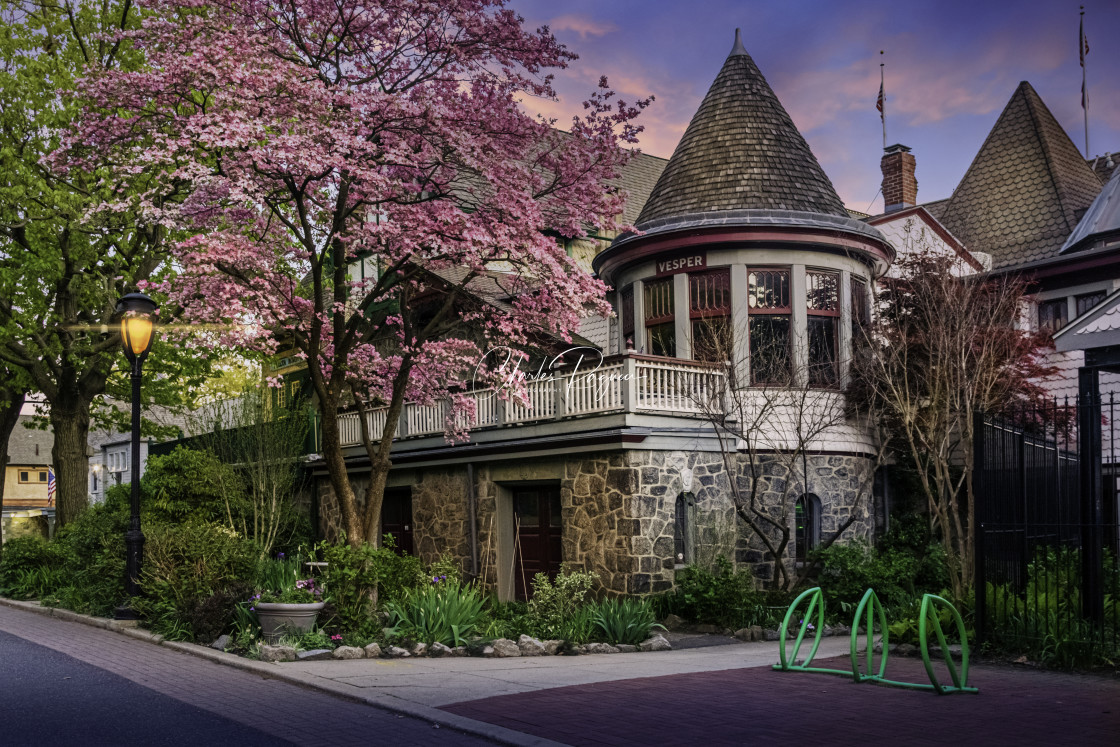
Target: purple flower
x=280 y=555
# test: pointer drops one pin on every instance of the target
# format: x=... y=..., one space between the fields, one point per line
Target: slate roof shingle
x=1026 y=189
x=22 y=443
x=741 y=151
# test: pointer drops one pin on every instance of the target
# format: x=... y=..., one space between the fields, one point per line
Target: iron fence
x=1047 y=541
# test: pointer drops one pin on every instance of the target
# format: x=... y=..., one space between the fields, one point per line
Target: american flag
x=879 y=101
x=1083 y=49
x=52 y=487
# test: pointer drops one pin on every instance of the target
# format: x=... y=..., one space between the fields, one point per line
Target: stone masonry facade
x=618 y=511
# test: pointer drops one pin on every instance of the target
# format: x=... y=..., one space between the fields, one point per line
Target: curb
x=129 y=628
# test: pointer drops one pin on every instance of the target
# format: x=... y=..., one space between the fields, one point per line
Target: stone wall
x=618 y=511
x=842 y=483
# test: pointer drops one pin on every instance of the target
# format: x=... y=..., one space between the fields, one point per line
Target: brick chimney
x=900 y=187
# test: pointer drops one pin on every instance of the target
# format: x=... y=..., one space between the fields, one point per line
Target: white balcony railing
x=630 y=384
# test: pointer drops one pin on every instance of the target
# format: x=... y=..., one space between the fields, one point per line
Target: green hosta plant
x=627 y=621
x=442 y=612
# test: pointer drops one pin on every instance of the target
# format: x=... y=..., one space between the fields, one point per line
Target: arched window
x=807 y=525
x=683 y=526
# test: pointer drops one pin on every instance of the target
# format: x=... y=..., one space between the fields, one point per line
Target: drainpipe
x=472 y=511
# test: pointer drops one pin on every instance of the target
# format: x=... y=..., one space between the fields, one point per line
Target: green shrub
x=444 y=612
x=193 y=577
x=350 y=578
x=556 y=602
x=28 y=567
x=95 y=560
x=627 y=621
x=505 y=619
x=191 y=484
x=720 y=596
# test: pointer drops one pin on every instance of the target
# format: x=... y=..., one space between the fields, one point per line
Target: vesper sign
x=689 y=262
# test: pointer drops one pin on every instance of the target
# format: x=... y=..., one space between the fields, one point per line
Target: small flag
x=1084 y=44
x=879 y=101
x=51 y=487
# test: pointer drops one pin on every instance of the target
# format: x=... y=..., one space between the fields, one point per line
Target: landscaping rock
x=626 y=648
x=906 y=649
x=349 y=652
x=438 y=649
x=315 y=654
x=529 y=646
x=277 y=653
x=420 y=649
x=551 y=648
x=601 y=648
x=770 y=635
x=656 y=642
x=460 y=651
x=501 y=648
x=673 y=622
x=397 y=652
x=373 y=651
x=706 y=628
x=221 y=643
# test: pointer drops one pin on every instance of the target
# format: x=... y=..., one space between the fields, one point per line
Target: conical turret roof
x=1026 y=188
x=741 y=152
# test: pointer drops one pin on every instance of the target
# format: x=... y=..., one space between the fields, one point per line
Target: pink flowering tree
x=363 y=186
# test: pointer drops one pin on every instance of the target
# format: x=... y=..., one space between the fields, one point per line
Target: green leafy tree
x=64 y=258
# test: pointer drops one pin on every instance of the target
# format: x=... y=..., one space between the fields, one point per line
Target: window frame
x=720 y=289
x=785 y=312
x=832 y=381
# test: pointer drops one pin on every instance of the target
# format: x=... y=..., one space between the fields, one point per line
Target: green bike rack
x=870 y=611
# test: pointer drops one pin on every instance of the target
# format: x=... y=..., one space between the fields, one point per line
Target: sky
x=951 y=67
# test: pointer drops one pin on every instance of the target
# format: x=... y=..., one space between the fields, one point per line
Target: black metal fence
x=1047 y=543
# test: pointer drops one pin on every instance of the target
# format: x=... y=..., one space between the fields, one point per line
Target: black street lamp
x=137 y=315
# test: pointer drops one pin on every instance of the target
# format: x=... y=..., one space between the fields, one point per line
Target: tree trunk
x=71 y=463
x=340 y=479
x=9 y=416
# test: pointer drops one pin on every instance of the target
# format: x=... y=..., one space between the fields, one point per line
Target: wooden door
x=396 y=518
x=537 y=521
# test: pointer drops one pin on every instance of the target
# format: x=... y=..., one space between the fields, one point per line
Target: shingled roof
x=1025 y=190
x=741 y=151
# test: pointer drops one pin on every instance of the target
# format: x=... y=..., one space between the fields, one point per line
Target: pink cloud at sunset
x=951 y=66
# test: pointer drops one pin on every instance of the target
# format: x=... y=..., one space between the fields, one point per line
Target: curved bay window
x=822 y=300
x=709 y=310
x=661 y=329
x=768 y=320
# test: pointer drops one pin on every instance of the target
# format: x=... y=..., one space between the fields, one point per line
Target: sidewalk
x=719 y=695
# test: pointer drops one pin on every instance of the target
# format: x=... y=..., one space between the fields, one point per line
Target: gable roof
x=22 y=443
x=1101 y=220
x=741 y=151
x=1097 y=327
x=919 y=212
x=1026 y=189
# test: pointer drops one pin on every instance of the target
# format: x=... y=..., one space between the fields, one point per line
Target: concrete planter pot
x=286 y=619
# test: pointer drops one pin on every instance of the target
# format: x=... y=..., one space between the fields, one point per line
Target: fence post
x=980 y=586
x=1089 y=460
x=629 y=385
x=979 y=485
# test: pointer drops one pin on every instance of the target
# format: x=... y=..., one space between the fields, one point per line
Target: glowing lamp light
x=137 y=313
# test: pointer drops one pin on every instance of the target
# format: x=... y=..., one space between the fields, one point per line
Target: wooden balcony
x=622 y=384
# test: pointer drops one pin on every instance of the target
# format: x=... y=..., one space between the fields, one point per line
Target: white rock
x=501 y=648
x=397 y=652
x=373 y=651
x=655 y=642
x=530 y=646
x=439 y=649
x=552 y=648
x=420 y=649
x=277 y=653
x=349 y=652
x=600 y=648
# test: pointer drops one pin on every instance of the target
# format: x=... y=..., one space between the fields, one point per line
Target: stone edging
x=482 y=729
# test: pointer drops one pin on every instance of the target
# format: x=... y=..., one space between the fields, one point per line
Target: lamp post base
x=125 y=612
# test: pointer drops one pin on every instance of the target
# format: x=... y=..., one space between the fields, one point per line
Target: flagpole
x=884 y=90
x=1084 y=88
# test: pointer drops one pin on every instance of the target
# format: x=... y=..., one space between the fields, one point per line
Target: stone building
x=736 y=300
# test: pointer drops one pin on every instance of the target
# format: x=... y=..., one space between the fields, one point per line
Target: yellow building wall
x=15 y=494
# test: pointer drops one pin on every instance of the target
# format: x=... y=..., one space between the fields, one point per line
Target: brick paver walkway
x=761 y=706
x=281 y=709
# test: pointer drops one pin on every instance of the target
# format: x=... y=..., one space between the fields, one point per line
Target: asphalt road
x=50 y=698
